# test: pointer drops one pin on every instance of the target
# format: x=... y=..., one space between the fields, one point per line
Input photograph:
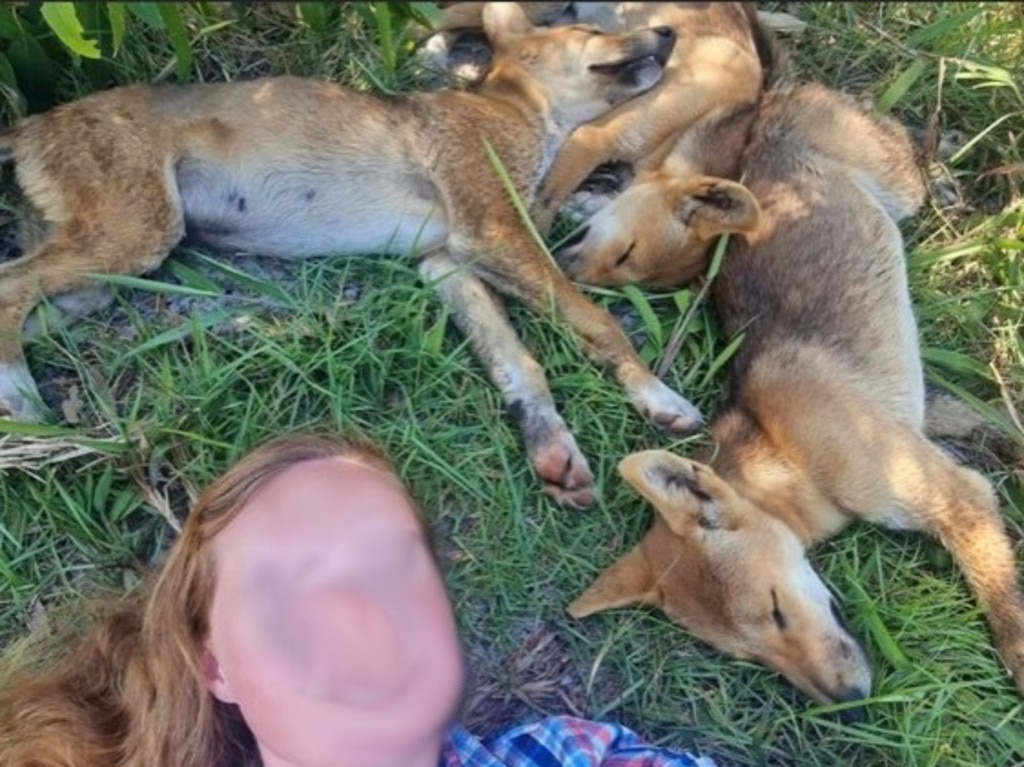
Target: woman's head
x=303 y=591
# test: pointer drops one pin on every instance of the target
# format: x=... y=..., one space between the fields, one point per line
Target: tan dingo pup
x=823 y=424
x=297 y=168
x=670 y=146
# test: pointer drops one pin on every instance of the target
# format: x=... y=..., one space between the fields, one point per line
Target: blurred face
x=330 y=626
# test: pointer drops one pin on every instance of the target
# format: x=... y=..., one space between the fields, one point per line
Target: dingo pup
x=823 y=422
x=295 y=168
x=715 y=75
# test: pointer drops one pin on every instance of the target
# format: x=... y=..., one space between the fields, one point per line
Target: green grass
x=182 y=389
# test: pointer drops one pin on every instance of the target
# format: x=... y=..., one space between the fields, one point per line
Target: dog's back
x=825 y=271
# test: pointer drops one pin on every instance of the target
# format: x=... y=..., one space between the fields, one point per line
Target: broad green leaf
x=64 y=22
x=10 y=28
x=96 y=24
x=682 y=300
x=36 y=73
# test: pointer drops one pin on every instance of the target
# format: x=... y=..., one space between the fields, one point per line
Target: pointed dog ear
x=503 y=22
x=627 y=582
x=671 y=484
x=714 y=206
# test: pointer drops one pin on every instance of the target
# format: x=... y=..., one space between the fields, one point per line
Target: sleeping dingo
x=823 y=424
x=297 y=168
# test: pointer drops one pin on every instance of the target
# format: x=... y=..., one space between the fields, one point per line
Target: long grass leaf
x=176 y=30
x=152 y=286
x=116 y=15
x=182 y=331
x=900 y=86
x=517 y=201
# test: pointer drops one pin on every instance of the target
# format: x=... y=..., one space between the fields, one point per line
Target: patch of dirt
x=537 y=679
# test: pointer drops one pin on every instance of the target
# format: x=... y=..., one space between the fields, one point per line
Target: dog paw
x=666 y=409
x=556 y=458
x=564 y=471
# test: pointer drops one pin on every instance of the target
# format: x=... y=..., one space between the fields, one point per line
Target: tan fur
x=824 y=420
x=297 y=168
x=694 y=126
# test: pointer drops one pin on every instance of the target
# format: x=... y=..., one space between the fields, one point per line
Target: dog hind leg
x=959 y=507
x=59 y=266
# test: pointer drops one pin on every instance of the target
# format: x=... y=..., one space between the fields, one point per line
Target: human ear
x=216 y=682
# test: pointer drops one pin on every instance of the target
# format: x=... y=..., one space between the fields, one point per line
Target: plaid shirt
x=561 y=741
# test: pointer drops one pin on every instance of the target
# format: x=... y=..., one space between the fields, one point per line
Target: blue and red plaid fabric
x=562 y=741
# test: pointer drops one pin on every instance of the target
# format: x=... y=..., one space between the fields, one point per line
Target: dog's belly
x=300 y=212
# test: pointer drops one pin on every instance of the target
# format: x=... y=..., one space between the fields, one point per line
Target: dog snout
x=854 y=714
x=666 y=42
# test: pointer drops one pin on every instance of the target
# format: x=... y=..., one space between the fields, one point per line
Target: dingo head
x=577 y=71
x=734 y=576
x=658 y=232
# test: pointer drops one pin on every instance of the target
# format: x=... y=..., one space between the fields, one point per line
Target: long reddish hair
x=130 y=690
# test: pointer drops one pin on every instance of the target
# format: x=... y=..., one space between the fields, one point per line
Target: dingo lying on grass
x=671 y=147
x=296 y=168
x=823 y=423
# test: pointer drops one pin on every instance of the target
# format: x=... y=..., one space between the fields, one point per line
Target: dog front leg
x=19 y=395
x=585 y=149
x=518 y=268
x=551 y=446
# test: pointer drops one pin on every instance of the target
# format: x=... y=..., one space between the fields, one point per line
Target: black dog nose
x=667 y=32
x=855 y=714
